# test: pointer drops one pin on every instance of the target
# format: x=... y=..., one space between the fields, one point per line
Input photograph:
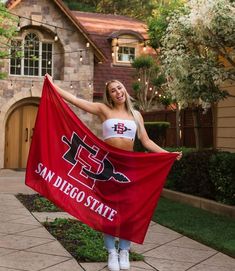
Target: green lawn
x=210 y=229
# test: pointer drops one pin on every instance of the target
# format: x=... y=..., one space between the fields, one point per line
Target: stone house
x=80 y=50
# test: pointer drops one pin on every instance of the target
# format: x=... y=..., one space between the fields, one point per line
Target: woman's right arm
x=90 y=107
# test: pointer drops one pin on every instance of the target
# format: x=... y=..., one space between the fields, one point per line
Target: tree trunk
x=198 y=140
x=214 y=124
x=178 y=127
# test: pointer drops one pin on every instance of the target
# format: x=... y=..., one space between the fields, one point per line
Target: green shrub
x=178 y=149
x=191 y=175
x=143 y=62
x=37 y=203
x=81 y=241
x=209 y=174
x=156 y=131
x=222 y=174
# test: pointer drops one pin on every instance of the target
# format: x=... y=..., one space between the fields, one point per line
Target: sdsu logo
x=89 y=163
x=120 y=128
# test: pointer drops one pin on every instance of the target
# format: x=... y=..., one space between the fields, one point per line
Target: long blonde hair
x=128 y=102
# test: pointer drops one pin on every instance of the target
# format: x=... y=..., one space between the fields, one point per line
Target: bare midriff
x=121 y=143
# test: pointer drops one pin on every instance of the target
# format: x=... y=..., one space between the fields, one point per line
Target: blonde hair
x=128 y=102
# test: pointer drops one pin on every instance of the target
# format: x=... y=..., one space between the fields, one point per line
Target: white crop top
x=119 y=128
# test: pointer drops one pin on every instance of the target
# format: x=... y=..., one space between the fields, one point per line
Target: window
x=31 y=57
x=46 y=58
x=125 y=48
x=15 y=63
x=125 y=54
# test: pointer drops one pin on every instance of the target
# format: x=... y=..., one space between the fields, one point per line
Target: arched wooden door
x=19 y=131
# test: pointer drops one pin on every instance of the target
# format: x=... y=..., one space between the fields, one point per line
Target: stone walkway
x=26 y=245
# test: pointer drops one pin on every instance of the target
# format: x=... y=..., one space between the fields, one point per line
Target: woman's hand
x=179 y=156
x=49 y=77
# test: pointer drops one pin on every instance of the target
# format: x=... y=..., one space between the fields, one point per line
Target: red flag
x=111 y=190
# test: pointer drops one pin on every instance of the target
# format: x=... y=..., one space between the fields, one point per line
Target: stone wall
x=67 y=68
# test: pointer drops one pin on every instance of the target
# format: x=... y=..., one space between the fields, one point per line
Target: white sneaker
x=124 y=259
x=113 y=264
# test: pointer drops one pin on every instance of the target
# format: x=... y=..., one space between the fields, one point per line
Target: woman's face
x=117 y=92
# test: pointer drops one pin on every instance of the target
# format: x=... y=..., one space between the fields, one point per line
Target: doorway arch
x=18 y=133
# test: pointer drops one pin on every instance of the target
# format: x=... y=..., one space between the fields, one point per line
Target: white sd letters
x=75 y=193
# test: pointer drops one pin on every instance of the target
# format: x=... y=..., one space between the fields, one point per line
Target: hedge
x=156 y=131
x=209 y=174
x=222 y=174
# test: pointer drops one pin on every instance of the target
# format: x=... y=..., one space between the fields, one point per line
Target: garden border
x=205 y=204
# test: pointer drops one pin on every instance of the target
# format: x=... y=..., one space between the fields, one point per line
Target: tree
x=214 y=26
x=191 y=49
x=142 y=8
x=149 y=84
x=8 y=27
x=157 y=25
x=85 y=5
x=158 y=22
x=139 y=9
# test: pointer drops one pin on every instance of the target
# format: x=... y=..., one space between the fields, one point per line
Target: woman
x=120 y=123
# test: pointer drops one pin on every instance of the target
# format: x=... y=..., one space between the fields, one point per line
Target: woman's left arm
x=144 y=138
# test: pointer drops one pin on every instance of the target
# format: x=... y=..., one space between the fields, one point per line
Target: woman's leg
x=109 y=242
x=124 y=246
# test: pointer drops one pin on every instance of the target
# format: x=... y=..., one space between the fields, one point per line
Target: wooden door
x=19 y=131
